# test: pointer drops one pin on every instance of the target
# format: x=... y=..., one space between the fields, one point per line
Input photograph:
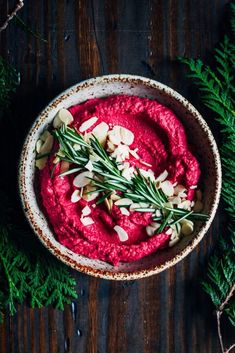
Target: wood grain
x=167 y=313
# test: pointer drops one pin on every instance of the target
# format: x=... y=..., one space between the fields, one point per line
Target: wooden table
x=166 y=313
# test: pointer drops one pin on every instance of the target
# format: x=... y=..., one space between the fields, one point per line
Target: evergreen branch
x=27 y=270
x=217 y=90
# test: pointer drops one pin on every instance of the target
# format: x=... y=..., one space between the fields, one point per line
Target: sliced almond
x=158 y=213
x=173 y=241
x=124 y=211
x=82 y=179
x=169 y=231
x=114 y=196
x=167 y=188
x=185 y=205
x=110 y=146
x=77 y=147
x=145 y=163
x=56 y=160
x=63 y=116
x=122 y=234
x=47 y=145
x=187 y=227
x=115 y=136
x=134 y=153
x=127 y=136
x=89 y=166
x=150 y=230
x=192 y=187
x=41 y=163
x=162 y=176
x=75 y=197
x=128 y=173
x=39 y=144
x=44 y=135
x=176 y=200
x=86 y=221
x=121 y=153
x=147 y=174
x=101 y=132
x=198 y=207
x=89 y=197
x=123 y=202
x=179 y=190
x=86 y=211
x=108 y=204
x=88 y=124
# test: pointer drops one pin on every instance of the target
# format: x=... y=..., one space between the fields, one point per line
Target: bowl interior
x=199 y=136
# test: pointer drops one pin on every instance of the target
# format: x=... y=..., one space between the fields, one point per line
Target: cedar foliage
x=217 y=86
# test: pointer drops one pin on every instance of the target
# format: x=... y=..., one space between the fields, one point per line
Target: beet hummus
x=159 y=145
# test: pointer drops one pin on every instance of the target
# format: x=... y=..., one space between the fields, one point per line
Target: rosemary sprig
x=107 y=177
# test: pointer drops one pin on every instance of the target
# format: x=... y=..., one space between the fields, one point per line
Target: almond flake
x=47 y=145
x=147 y=174
x=89 y=197
x=122 y=234
x=145 y=163
x=75 y=197
x=110 y=146
x=150 y=231
x=179 y=190
x=86 y=211
x=41 y=163
x=76 y=147
x=162 y=176
x=173 y=242
x=128 y=173
x=167 y=188
x=56 y=160
x=158 y=213
x=169 y=231
x=123 y=202
x=134 y=153
x=87 y=124
x=109 y=204
x=176 y=200
x=192 y=187
x=82 y=179
x=124 y=211
x=39 y=145
x=86 y=221
x=127 y=136
x=89 y=166
x=63 y=116
x=115 y=135
x=101 y=132
x=44 y=135
x=114 y=196
x=185 y=205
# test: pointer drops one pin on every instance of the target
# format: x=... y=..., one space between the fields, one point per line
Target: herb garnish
x=107 y=177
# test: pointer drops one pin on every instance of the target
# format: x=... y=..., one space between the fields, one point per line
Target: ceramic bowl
x=199 y=135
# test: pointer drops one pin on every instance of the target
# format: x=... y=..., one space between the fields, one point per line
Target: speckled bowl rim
x=60 y=254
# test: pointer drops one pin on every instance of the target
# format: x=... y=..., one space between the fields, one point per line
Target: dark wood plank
x=167 y=313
